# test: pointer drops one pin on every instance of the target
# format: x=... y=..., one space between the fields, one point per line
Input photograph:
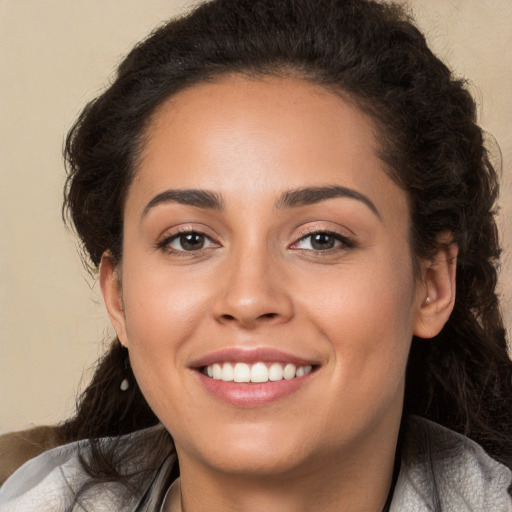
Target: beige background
x=57 y=54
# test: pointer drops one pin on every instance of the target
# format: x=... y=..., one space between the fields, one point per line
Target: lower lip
x=252 y=394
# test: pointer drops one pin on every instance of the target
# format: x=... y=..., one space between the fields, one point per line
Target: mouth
x=253 y=377
x=258 y=372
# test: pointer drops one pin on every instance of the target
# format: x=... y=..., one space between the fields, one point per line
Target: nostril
x=264 y=316
x=268 y=315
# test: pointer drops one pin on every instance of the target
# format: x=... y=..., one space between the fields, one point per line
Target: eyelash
x=344 y=242
x=164 y=244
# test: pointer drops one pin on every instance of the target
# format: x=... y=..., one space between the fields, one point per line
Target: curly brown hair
x=373 y=54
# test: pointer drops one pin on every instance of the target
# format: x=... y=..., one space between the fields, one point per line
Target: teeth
x=241 y=373
x=216 y=371
x=227 y=373
x=275 y=372
x=300 y=372
x=258 y=372
x=289 y=371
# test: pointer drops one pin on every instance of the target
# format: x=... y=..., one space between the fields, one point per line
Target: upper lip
x=250 y=356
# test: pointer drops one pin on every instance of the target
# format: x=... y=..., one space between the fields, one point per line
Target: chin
x=250 y=452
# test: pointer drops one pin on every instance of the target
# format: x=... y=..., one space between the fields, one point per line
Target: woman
x=292 y=214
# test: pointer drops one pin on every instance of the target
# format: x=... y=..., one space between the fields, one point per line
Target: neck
x=360 y=484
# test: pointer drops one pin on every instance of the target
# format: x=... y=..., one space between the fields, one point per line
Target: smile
x=258 y=372
x=254 y=377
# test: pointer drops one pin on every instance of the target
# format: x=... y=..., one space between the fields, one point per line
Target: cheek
x=366 y=315
x=162 y=307
x=163 y=312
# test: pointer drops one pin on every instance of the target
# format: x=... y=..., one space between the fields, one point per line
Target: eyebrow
x=192 y=197
x=290 y=199
x=312 y=195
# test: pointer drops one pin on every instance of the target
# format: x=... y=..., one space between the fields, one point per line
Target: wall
x=57 y=54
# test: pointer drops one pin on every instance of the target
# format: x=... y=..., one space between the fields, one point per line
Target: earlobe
x=111 y=290
x=436 y=298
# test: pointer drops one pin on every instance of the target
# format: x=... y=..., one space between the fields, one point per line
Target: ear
x=112 y=292
x=436 y=294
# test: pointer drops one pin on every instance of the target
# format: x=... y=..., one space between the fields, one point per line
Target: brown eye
x=191 y=241
x=322 y=241
x=187 y=242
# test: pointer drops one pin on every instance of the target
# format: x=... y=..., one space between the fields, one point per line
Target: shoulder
x=41 y=483
x=444 y=470
x=18 y=447
x=50 y=481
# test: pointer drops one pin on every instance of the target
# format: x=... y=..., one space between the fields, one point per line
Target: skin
x=258 y=282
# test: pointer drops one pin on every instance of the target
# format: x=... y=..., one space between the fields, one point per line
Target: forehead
x=242 y=135
x=273 y=112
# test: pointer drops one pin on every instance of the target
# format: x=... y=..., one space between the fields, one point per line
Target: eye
x=188 y=241
x=322 y=241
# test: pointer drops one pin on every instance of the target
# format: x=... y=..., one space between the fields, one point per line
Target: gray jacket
x=441 y=471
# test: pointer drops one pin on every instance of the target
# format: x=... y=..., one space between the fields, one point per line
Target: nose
x=252 y=292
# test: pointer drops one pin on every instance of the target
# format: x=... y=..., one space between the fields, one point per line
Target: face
x=264 y=242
